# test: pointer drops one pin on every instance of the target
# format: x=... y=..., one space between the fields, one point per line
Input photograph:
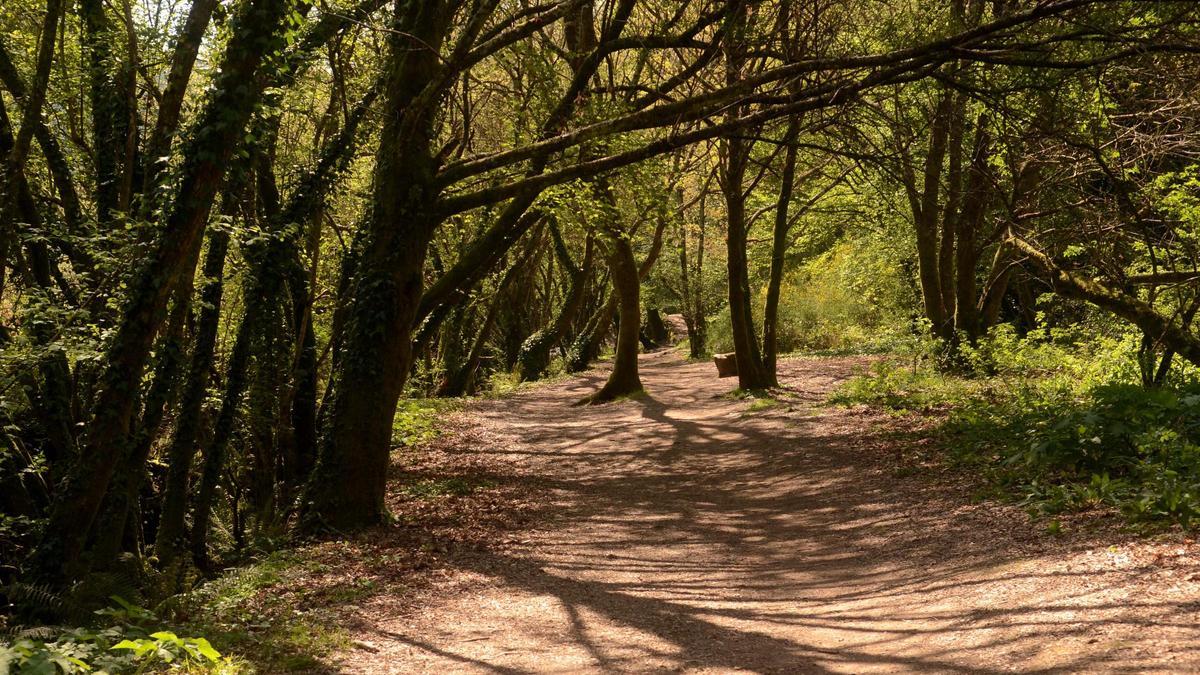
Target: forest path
x=693 y=534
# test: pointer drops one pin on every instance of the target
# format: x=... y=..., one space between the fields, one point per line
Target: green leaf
x=206 y=650
x=127 y=644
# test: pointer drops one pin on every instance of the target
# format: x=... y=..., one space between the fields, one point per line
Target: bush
x=1116 y=444
x=271 y=612
x=902 y=388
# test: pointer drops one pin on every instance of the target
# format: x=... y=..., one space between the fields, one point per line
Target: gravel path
x=694 y=534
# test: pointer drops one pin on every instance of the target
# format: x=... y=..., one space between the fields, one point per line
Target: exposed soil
x=690 y=531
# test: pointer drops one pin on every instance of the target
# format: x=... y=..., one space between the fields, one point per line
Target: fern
x=37 y=600
x=40 y=633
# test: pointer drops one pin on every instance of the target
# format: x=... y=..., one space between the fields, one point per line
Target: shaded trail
x=691 y=534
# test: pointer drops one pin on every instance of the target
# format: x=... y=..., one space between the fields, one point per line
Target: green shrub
x=266 y=613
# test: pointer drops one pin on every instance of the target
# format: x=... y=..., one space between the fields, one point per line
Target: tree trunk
x=694 y=311
x=752 y=373
x=975 y=204
x=535 y=354
x=624 y=379
x=304 y=401
x=273 y=264
x=272 y=341
x=926 y=217
x=951 y=206
x=991 y=299
x=52 y=394
x=183 y=58
x=587 y=346
x=778 y=250
x=168 y=541
x=462 y=381
x=214 y=453
x=348 y=483
x=110 y=114
x=120 y=510
x=56 y=161
x=31 y=114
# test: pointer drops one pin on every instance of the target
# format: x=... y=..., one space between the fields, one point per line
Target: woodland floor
x=692 y=531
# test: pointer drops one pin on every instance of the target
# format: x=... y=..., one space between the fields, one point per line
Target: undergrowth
x=122 y=638
x=266 y=611
x=455 y=486
x=418 y=420
x=266 y=615
x=504 y=384
x=1058 y=421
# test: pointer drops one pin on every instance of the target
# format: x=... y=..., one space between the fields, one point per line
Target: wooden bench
x=726 y=364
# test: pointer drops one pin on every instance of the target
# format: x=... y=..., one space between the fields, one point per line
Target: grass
x=596 y=399
x=761 y=400
x=762 y=404
x=502 y=385
x=901 y=389
x=740 y=394
x=282 y=612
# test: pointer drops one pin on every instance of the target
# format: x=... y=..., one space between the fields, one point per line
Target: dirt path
x=693 y=534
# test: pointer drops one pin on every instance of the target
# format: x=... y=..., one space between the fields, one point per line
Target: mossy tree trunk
x=535 y=354
x=735 y=154
x=347 y=486
x=168 y=541
x=692 y=280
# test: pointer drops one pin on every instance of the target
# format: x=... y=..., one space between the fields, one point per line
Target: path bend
x=696 y=534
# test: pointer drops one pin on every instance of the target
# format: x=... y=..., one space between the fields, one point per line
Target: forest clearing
x=599 y=335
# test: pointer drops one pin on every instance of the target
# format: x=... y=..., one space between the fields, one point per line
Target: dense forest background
x=236 y=236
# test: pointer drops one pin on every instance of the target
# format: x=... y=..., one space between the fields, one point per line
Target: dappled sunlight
x=690 y=536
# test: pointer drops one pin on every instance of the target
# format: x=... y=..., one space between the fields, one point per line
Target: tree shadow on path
x=693 y=535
